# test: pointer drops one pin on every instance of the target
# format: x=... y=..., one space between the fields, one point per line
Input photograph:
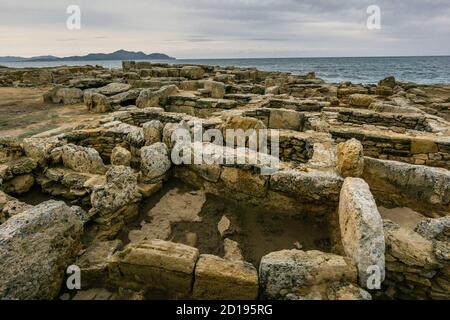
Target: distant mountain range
x=118 y=55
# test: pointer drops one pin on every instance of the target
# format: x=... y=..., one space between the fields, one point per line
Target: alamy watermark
x=73 y=281
x=374 y=19
x=259 y=147
x=73 y=22
x=375 y=278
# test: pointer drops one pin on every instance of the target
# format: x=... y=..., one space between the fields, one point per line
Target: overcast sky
x=226 y=29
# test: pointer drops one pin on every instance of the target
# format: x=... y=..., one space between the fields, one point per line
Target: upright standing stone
x=350 y=158
x=361 y=229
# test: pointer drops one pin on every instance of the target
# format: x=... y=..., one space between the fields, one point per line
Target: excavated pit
x=257 y=231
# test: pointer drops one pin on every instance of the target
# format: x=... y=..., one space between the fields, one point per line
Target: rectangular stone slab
x=155 y=264
x=219 y=279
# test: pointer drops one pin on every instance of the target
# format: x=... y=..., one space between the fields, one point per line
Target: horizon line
x=325 y=57
x=254 y=58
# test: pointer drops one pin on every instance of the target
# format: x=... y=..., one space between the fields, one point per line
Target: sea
x=366 y=70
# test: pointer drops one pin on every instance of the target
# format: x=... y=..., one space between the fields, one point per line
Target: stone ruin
x=345 y=151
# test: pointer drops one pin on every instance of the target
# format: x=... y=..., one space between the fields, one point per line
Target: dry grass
x=23 y=113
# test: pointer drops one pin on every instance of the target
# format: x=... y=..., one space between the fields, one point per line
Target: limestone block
x=93 y=263
x=155 y=264
x=360 y=100
x=244 y=181
x=152 y=132
x=285 y=119
x=18 y=184
x=350 y=158
x=192 y=72
x=216 y=89
x=219 y=279
x=36 y=247
x=120 y=156
x=155 y=162
x=361 y=228
x=294 y=274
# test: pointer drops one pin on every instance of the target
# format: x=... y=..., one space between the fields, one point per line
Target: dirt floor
x=404 y=217
x=23 y=113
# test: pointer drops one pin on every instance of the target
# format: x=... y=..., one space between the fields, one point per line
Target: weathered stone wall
x=416 y=267
x=298 y=105
x=433 y=152
x=179 y=270
x=295 y=146
x=400 y=120
x=15 y=168
x=198 y=107
x=279 y=118
x=286 y=191
x=10 y=148
x=106 y=138
x=421 y=188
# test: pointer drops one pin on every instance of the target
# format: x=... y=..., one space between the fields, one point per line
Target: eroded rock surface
x=350 y=158
x=36 y=246
x=361 y=229
x=295 y=274
x=155 y=162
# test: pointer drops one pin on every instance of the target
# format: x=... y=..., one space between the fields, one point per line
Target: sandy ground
x=23 y=113
x=404 y=217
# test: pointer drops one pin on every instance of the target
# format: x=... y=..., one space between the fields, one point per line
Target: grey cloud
x=220 y=28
